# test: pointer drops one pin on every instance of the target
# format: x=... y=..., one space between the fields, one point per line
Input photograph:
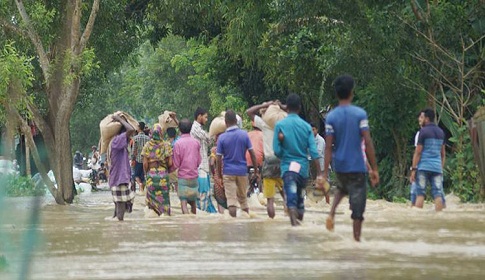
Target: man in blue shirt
x=428 y=161
x=346 y=127
x=293 y=140
x=232 y=145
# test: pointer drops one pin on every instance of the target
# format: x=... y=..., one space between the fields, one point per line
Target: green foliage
x=462 y=169
x=42 y=17
x=14 y=66
x=86 y=62
x=16 y=74
x=399 y=199
x=233 y=54
x=14 y=185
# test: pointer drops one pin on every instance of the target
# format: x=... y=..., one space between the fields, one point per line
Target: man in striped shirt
x=139 y=142
x=197 y=132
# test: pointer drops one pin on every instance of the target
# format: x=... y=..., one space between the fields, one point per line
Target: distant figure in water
x=103 y=172
x=186 y=157
x=293 y=140
x=346 y=126
x=78 y=160
x=120 y=171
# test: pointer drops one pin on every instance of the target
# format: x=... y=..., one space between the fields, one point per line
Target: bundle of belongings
x=273 y=114
x=110 y=128
x=165 y=120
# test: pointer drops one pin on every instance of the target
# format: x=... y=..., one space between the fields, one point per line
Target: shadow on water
x=81 y=241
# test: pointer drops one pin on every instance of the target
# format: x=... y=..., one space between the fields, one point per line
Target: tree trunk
x=61 y=71
x=61 y=160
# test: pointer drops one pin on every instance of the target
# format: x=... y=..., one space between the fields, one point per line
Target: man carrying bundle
x=271 y=172
x=120 y=171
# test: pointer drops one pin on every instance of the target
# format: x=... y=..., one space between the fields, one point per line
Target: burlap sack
x=166 y=121
x=218 y=125
x=273 y=114
x=480 y=114
x=109 y=128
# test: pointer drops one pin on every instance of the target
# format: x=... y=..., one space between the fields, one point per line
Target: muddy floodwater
x=81 y=241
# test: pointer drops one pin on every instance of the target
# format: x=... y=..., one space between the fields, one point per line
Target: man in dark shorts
x=346 y=126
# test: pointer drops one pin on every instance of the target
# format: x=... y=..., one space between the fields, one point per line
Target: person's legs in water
x=269 y=190
x=356 y=185
x=436 y=180
x=283 y=196
x=140 y=176
x=301 y=198
x=116 y=206
x=232 y=211
x=292 y=200
x=270 y=207
x=183 y=205
x=330 y=223
x=230 y=189
x=193 y=207
x=132 y=178
x=220 y=209
x=129 y=206
x=241 y=192
x=421 y=180
x=412 y=193
x=340 y=193
x=204 y=202
x=357 y=228
x=120 y=210
x=187 y=192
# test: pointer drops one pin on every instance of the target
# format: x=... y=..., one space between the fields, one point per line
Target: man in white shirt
x=320 y=142
x=197 y=132
x=271 y=173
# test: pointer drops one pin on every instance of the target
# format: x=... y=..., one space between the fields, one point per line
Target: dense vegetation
x=15 y=185
x=405 y=55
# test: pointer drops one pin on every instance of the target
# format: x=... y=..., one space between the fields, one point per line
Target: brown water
x=81 y=241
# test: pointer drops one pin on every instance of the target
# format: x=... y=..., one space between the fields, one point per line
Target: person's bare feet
x=329 y=223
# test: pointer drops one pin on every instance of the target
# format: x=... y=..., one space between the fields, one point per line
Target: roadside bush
x=14 y=185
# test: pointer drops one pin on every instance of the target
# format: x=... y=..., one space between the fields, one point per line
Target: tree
x=57 y=34
x=452 y=36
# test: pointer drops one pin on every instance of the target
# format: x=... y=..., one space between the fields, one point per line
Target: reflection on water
x=81 y=241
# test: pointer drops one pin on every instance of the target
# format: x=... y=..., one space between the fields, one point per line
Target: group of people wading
x=287 y=147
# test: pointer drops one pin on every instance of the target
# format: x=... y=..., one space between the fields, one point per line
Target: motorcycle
x=254 y=183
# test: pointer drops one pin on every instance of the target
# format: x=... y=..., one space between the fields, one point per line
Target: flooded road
x=81 y=241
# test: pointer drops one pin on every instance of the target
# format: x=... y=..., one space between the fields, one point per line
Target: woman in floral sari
x=157 y=159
